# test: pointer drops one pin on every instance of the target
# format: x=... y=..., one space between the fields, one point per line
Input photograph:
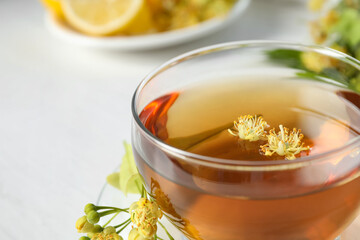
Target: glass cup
x=314 y=197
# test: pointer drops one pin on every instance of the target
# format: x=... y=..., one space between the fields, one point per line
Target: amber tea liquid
x=211 y=202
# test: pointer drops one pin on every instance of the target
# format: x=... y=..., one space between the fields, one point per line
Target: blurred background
x=65 y=103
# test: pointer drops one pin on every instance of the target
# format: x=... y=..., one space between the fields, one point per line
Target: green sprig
x=128 y=180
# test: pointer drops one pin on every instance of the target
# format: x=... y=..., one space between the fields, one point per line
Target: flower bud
x=109 y=230
x=84 y=238
x=93 y=217
x=97 y=229
x=89 y=207
x=83 y=226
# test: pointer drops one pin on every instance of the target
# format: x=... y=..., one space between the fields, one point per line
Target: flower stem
x=112 y=218
x=113 y=211
x=105 y=213
x=143 y=192
x=121 y=224
x=139 y=186
x=127 y=224
x=113 y=208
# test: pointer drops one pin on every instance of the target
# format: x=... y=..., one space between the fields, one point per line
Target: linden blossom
x=145 y=214
x=250 y=128
x=284 y=144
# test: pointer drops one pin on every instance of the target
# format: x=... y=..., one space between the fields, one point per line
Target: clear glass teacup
x=313 y=197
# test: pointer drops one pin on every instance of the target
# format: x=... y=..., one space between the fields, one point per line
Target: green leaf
x=128 y=179
x=347 y=17
x=114 y=180
x=355 y=83
x=287 y=57
x=348 y=26
x=354 y=33
x=133 y=184
x=292 y=58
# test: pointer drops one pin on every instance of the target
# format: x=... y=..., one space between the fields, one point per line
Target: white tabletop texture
x=65 y=110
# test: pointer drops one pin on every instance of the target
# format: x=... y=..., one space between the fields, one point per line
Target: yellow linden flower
x=284 y=144
x=315 y=5
x=331 y=18
x=216 y=8
x=339 y=48
x=135 y=235
x=249 y=128
x=318 y=32
x=316 y=61
x=109 y=233
x=145 y=214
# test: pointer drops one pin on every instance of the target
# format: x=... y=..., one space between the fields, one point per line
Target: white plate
x=144 y=42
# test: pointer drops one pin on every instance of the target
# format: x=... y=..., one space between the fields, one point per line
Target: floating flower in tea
x=250 y=128
x=284 y=144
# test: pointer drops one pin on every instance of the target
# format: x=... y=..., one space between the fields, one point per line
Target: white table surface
x=65 y=110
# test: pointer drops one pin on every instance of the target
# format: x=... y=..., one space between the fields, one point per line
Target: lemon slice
x=106 y=17
x=54 y=6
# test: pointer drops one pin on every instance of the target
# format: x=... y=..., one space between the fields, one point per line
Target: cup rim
x=239 y=164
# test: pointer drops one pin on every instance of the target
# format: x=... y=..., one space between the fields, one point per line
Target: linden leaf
x=134 y=184
x=347 y=17
x=114 y=180
x=287 y=57
x=354 y=34
x=355 y=83
x=348 y=26
x=128 y=179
